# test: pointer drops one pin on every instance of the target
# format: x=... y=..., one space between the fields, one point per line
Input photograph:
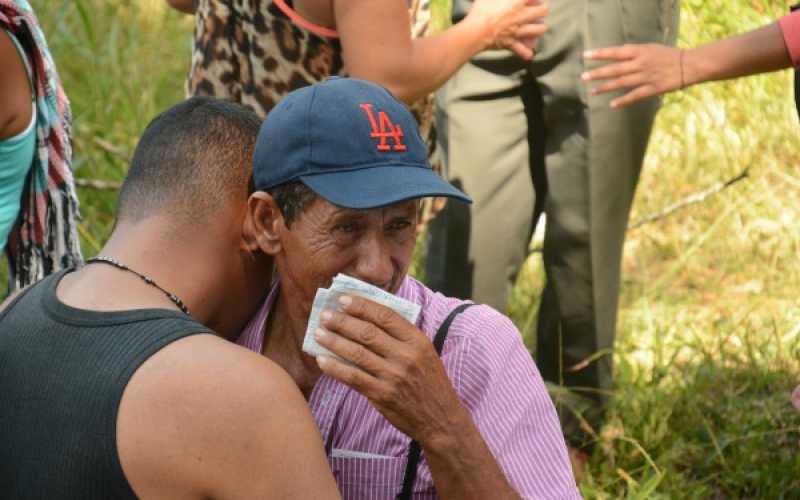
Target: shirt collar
x=252 y=336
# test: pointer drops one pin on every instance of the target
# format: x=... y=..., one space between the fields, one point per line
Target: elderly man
x=339 y=170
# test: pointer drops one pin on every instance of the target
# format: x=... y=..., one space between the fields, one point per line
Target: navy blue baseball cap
x=351 y=142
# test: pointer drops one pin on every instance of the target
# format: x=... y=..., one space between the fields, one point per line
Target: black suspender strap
x=414 y=449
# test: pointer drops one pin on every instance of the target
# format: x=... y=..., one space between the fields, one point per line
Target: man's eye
x=348 y=227
x=399 y=225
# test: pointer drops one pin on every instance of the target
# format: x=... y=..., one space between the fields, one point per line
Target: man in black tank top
x=112 y=381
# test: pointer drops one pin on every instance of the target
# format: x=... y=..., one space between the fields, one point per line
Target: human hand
x=647 y=70
x=514 y=25
x=395 y=367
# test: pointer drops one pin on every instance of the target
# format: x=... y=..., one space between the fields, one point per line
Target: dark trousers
x=524 y=139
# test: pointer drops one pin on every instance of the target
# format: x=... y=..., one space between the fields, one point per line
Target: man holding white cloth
x=339 y=170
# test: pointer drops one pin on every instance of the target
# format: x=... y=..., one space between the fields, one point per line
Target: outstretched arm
x=377 y=44
x=649 y=70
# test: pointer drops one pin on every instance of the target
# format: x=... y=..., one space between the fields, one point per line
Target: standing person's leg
x=475 y=251
x=594 y=155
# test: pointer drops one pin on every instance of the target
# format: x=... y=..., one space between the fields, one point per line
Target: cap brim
x=375 y=187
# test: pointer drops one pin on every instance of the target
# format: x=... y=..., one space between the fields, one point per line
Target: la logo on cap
x=384 y=129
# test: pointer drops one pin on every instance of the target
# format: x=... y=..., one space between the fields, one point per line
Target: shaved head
x=190 y=160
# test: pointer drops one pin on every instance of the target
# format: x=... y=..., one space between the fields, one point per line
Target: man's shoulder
x=9 y=300
x=202 y=369
x=210 y=378
x=483 y=351
x=478 y=321
x=191 y=405
x=17 y=296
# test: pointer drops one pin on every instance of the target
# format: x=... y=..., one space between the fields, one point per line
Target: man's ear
x=263 y=224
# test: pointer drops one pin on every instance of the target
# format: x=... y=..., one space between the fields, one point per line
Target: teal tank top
x=16 y=158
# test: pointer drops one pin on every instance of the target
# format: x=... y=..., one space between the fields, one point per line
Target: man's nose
x=375 y=263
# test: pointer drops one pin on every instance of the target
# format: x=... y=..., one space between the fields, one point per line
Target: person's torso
x=251 y=52
x=62 y=374
x=367 y=454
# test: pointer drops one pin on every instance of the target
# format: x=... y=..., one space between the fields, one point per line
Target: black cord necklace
x=115 y=263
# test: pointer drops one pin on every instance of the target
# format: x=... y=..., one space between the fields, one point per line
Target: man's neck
x=283 y=340
x=148 y=250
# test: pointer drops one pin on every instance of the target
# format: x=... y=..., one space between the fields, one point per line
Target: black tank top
x=62 y=374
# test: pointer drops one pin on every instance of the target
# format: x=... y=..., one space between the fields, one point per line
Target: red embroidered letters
x=384 y=129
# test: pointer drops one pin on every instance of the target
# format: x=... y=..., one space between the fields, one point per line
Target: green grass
x=709 y=329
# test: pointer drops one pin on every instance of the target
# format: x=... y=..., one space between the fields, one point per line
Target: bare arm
x=186 y=6
x=650 y=69
x=377 y=44
x=15 y=90
x=462 y=465
x=204 y=418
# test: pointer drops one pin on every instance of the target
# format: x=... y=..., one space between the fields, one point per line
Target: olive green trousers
x=526 y=138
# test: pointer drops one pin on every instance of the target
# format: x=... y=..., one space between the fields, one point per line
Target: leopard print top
x=249 y=51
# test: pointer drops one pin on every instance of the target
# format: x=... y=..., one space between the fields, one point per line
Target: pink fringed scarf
x=45 y=237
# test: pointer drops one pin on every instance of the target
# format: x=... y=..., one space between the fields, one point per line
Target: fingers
x=530 y=31
x=523 y=38
x=611 y=71
x=636 y=95
x=624 y=82
x=383 y=317
x=527 y=18
x=645 y=70
x=641 y=90
x=521 y=50
x=351 y=376
x=619 y=53
x=353 y=352
x=362 y=332
x=532 y=13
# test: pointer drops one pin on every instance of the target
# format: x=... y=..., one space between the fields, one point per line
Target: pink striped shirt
x=494 y=376
x=791 y=35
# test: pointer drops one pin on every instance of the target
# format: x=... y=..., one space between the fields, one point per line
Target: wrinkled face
x=373 y=245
